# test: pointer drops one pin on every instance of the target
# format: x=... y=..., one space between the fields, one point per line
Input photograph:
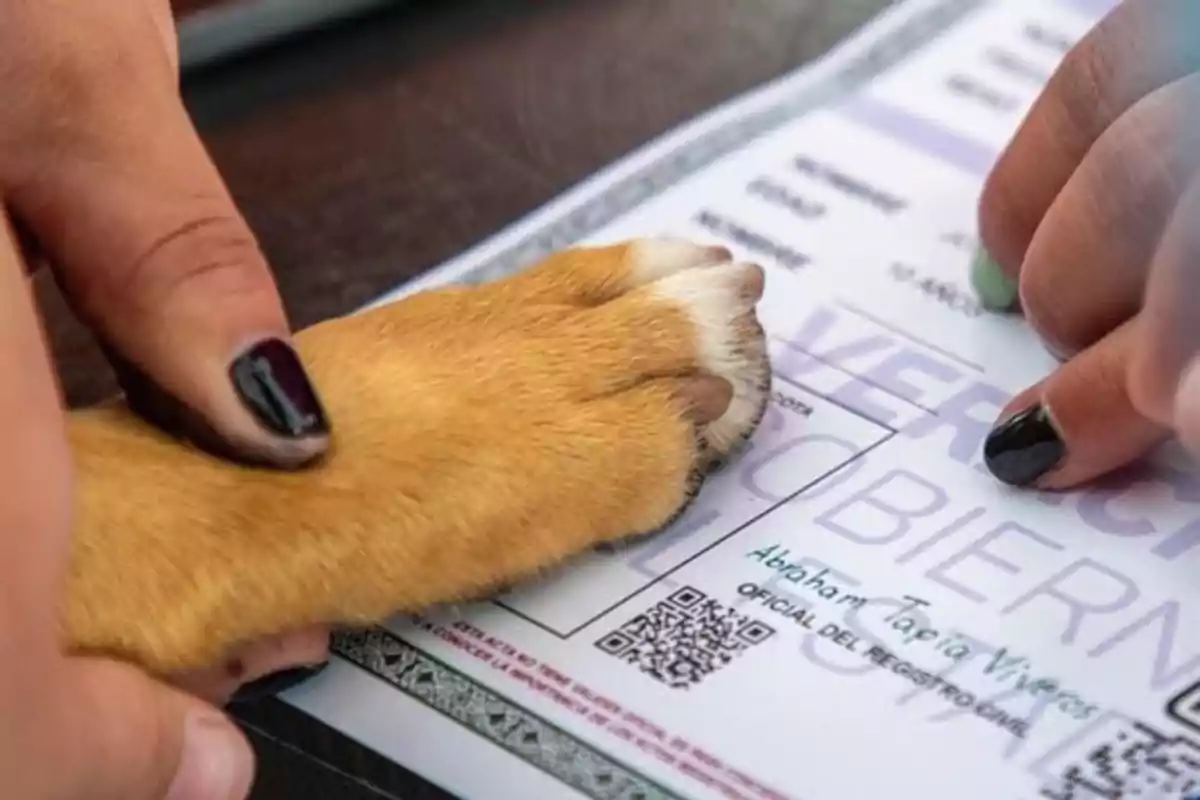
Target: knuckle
x=216 y=255
x=1085 y=89
x=1147 y=156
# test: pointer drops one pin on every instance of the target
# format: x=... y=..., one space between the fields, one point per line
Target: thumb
x=154 y=257
x=123 y=736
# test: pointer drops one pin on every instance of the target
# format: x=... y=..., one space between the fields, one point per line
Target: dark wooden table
x=374 y=149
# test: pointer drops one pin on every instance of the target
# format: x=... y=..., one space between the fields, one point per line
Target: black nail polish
x=276 y=683
x=1024 y=448
x=147 y=399
x=274 y=386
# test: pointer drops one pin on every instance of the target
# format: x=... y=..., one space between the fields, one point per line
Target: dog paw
x=729 y=340
x=480 y=435
x=716 y=294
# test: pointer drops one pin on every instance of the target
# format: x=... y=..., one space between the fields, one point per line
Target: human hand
x=74 y=728
x=1091 y=218
x=112 y=191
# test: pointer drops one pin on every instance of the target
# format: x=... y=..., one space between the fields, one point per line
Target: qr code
x=1138 y=762
x=684 y=639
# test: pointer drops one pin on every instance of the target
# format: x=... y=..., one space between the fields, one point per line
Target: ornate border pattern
x=498 y=719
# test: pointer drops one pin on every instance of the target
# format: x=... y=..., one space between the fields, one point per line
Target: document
x=853 y=608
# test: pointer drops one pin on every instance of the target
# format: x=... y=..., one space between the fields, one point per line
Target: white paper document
x=853 y=608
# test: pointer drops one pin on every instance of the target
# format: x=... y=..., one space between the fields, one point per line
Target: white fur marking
x=653 y=259
x=715 y=299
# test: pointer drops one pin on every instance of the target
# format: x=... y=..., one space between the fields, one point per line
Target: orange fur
x=481 y=435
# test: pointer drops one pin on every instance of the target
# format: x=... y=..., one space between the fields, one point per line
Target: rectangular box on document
x=802 y=439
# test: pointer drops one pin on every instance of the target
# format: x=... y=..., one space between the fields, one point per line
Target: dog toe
x=652 y=259
x=729 y=343
x=590 y=276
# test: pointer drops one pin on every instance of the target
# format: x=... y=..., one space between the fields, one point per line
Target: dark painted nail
x=1023 y=448
x=276 y=683
x=274 y=386
x=162 y=409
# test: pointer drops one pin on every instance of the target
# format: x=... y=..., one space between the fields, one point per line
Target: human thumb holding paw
x=1090 y=224
x=105 y=182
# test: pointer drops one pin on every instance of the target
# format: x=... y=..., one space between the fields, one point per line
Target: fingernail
x=216 y=762
x=1023 y=448
x=995 y=290
x=276 y=683
x=274 y=386
x=162 y=409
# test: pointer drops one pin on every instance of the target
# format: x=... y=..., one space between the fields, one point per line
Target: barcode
x=1138 y=762
x=684 y=639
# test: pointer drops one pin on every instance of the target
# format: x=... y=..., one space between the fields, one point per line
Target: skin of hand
x=105 y=183
x=1090 y=226
x=77 y=727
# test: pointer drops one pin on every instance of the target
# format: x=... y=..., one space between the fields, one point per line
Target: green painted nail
x=995 y=290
